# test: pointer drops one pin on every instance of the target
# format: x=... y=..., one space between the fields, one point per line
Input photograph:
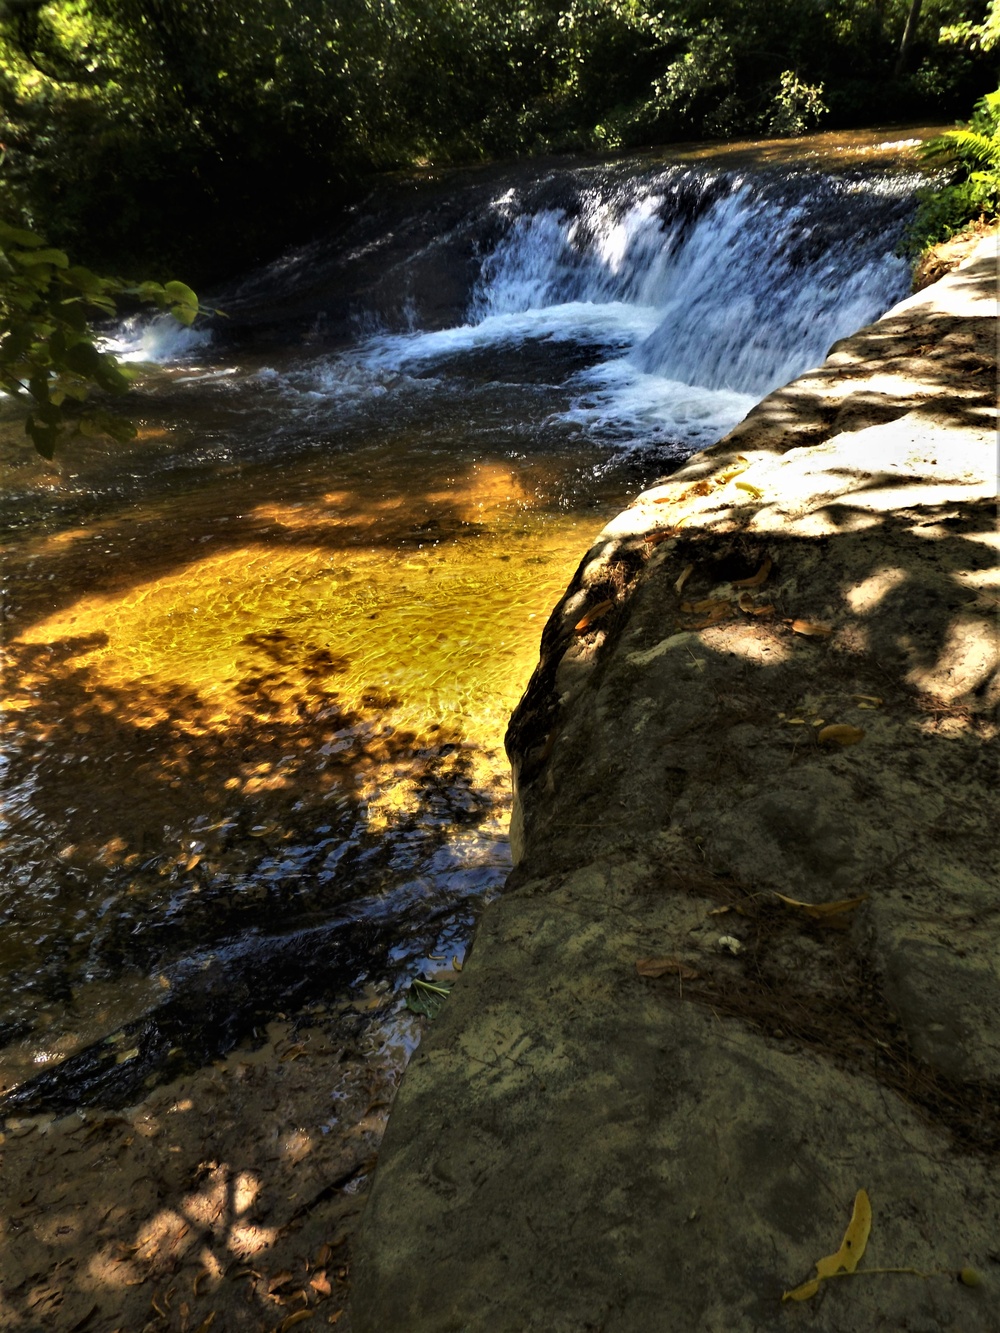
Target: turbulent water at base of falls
x=684 y=296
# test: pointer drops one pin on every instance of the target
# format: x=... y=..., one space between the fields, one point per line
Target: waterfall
x=693 y=295
x=653 y=306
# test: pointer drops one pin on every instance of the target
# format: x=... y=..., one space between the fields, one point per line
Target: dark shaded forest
x=200 y=136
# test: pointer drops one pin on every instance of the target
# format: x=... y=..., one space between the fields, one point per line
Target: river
x=260 y=661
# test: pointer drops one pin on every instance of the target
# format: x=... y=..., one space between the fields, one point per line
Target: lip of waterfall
x=690 y=296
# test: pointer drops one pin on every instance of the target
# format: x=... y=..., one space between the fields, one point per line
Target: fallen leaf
x=323 y=1255
x=595 y=613
x=840 y=733
x=753 y=491
x=278 y=1281
x=852 y=1247
x=206 y=1324
x=700 y=488
x=321 y=1283
x=814 y=629
x=746 y=603
x=122 y=1056
x=706 y=604
x=661 y=535
x=823 y=911
x=802 y=1293
x=755 y=580
x=719 y=911
x=867 y=700
x=685 y=575
x=658 y=967
x=730 y=944
x=297 y=1318
x=847 y=1258
x=736 y=470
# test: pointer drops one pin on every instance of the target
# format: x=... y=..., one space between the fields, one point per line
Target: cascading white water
x=698 y=295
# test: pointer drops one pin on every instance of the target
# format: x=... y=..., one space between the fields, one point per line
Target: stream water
x=260 y=661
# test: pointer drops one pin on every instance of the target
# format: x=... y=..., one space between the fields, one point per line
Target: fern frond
x=966 y=146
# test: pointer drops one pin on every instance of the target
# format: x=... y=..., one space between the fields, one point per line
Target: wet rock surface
x=773 y=678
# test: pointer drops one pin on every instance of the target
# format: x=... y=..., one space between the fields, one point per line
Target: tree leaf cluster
x=972 y=153
x=204 y=136
x=50 y=357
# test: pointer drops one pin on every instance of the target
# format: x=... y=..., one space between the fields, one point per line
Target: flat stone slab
x=749 y=960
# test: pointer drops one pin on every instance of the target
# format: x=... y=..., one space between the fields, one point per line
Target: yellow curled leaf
x=730 y=473
x=852 y=1247
x=872 y=699
x=595 y=613
x=802 y=1293
x=685 y=575
x=754 y=491
x=840 y=733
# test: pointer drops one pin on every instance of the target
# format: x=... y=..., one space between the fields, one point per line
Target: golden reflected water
x=208 y=692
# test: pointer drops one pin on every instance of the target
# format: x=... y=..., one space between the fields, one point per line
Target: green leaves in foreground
x=426 y=997
x=49 y=354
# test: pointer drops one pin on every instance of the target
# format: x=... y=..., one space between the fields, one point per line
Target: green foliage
x=49 y=353
x=974 y=151
x=203 y=135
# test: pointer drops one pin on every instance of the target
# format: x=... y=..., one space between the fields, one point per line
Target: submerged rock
x=769 y=769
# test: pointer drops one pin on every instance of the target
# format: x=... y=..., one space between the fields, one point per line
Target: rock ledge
x=773 y=677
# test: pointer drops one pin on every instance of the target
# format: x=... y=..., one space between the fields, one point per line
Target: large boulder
x=773 y=678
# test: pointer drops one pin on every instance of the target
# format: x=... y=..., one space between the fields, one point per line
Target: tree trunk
x=909 y=33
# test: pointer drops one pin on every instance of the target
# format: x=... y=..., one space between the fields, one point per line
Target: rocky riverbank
x=747 y=964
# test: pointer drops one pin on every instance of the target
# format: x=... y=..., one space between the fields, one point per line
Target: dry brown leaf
x=323 y=1255
x=661 y=535
x=720 y=612
x=595 y=613
x=706 y=604
x=658 y=967
x=755 y=580
x=278 y=1281
x=206 y=1324
x=321 y=1284
x=823 y=911
x=297 y=1318
x=685 y=575
x=814 y=629
x=840 y=733
x=700 y=488
x=746 y=603
x=867 y=700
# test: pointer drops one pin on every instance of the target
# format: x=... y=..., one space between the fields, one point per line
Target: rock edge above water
x=578 y=1146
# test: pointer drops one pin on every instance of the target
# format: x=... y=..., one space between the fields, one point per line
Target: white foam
x=158 y=341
